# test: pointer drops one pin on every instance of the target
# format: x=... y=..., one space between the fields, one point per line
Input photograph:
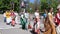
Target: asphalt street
x=8 y=29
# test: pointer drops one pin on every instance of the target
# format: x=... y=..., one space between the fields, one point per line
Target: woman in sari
x=49 y=23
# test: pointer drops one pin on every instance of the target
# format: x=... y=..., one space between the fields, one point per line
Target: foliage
x=6 y=4
x=45 y=4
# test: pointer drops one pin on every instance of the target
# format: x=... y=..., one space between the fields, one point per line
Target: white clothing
x=26 y=15
x=22 y=15
x=58 y=29
x=16 y=19
x=38 y=24
x=9 y=19
x=36 y=15
x=4 y=15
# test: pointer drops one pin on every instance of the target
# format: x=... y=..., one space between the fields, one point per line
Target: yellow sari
x=49 y=25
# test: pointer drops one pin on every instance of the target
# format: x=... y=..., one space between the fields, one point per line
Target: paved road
x=8 y=29
x=4 y=26
x=14 y=31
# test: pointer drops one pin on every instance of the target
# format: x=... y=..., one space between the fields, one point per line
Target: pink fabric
x=12 y=14
x=57 y=20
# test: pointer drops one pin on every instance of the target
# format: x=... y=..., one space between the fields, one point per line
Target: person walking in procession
x=57 y=19
x=36 y=25
x=49 y=23
x=8 y=17
x=23 y=20
x=27 y=19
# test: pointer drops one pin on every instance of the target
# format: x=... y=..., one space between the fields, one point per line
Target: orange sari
x=49 y=25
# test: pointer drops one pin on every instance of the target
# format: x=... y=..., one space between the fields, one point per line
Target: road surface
x=8 y=29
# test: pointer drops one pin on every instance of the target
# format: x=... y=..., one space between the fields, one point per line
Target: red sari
x=13 y=18
x=57 y=19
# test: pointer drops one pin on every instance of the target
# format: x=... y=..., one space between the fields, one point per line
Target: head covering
x=58 y=6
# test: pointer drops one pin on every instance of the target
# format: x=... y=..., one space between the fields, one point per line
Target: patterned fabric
x=57 y=18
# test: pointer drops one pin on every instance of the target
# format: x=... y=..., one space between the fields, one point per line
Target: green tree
x=45 y=4
x=6 y=4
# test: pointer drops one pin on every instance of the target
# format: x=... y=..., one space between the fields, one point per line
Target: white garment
x=22 y=4
x=37 y=26
x=36 y=15
x=16 y=19
x=42 y=24
x=9 y=19
x=38 y=23
x=26 y=15
x=4 y=15
x=58 y=29
x=22 y=15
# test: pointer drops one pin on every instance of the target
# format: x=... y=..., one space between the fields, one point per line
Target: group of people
x=51 y=22
x=10 y=17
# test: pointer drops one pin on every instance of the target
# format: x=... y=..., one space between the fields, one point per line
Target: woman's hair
x=49 y=9
x=36 y=9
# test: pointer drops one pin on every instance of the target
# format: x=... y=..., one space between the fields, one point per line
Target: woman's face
x=51 y=9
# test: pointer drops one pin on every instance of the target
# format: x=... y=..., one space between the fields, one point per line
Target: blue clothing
x=4 y=19
x=45 y=15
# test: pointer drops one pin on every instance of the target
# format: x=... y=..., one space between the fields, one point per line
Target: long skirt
x=53 y=29
x=50 y=29
x=23 y=22
x=47 y=28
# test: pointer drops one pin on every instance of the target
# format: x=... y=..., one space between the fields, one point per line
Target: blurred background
x=30 y=5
